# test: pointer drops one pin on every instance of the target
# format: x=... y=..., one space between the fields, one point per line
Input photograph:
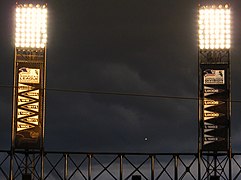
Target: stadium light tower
x=29 y=75
x=29 y=78
x=214 y=43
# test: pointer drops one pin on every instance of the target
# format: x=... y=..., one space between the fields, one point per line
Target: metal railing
x=118 y=166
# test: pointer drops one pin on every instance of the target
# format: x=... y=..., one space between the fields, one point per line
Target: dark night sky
x=129 y=46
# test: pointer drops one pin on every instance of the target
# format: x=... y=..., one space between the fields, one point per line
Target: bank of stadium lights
x=214 y=27
x=31 y=26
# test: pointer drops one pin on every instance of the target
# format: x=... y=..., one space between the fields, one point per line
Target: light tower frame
x=214 y=84
x=29 y=82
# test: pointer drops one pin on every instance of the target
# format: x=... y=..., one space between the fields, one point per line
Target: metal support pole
x=176 y=167
x=13 y=122
x=26 y=162
x=215 y=163
x=199 y=118
x=66 y=167
x=89 y=166
x=230 y=163
x=199 y=165
x=208 y=166
x=42 y=164
x=121 y=167
x=152 y=167
x=33 y=165
x=11 y=165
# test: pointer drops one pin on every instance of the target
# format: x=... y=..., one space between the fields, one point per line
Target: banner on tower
x=215 y=113
x=28 y=114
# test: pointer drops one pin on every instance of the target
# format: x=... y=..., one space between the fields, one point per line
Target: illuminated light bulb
x=17 y=36
x=18 y=19
x=44 y=41
x=228 y=41
x=22 y=45
x=18 y=27
x=228 y=37
x=17 y=40
x=28 y=40
x=22 y=30
x=201 y=37
x=228 y=22
x=212 y=46
x=228 y=46
x=42 y=45
x=32 y=40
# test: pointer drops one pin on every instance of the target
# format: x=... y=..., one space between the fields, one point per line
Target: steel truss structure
x=214 y=93
x=118 y=166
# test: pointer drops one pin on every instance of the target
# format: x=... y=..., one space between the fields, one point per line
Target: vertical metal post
x=152 y=167
x=208 y=166
x=89 y=166
x=44 y=114
x=11 y=165
x=13 y=117
x=230 y=163
x=215 y=163
x=199 y=165
x=66 y=167
x=121 y=167
x=176 y=167
x=230 y=106
x=26 y=162
x=42 y=164
x=33 y=165
x=199 y=119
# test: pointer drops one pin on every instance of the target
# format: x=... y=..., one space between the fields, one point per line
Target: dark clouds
x=125 y=46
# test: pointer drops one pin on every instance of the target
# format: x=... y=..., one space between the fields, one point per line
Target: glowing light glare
x=31 y=26
x=214 y=27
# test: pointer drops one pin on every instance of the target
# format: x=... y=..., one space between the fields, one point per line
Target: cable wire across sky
x=119 y=93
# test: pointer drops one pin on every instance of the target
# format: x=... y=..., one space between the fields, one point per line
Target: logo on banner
x=29 y=75
x=211 y=139
x=212 y=76
x=210 y=91
x=210 y=103
x=210 y=114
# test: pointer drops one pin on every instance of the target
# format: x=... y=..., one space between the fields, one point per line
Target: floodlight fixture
x=31 y=26
x=214 y=27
